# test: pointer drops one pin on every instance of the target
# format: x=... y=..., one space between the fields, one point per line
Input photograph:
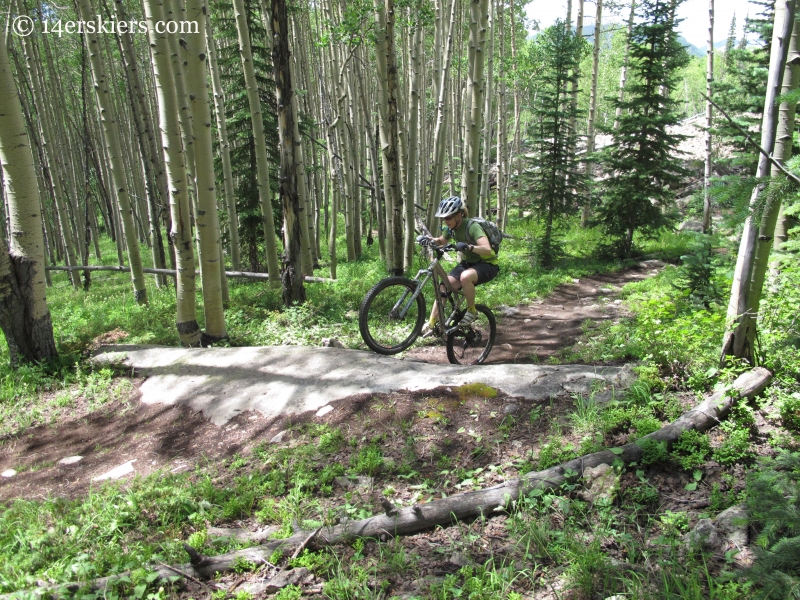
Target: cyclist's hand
x=424 y=240
x=462 y=246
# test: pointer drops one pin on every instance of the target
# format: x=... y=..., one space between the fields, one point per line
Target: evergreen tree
x=641 y=160
x=556 y=184
x=240 y=130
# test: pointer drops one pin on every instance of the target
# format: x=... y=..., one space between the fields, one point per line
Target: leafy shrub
x=368 y=461
x=654 y=452
x=790 y=411
x=691 y=449
x=735 y=447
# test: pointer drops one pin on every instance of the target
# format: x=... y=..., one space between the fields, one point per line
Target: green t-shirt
x=460 y=235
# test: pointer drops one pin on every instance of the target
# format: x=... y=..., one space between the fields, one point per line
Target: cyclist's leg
x=454 y=277
x=477 y=274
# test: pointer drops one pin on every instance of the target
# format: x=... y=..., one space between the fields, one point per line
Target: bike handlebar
x=427 y=242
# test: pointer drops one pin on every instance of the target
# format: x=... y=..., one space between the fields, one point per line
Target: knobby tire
x=470 y=345
x=382 y=331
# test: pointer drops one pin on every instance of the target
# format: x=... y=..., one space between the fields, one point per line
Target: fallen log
x=464 y=506
x=173 y=272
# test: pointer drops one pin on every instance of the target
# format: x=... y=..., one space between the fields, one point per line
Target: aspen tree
x=24 y=314
x=502 y=122
x=207 y=217
x=483 y=198
x=412 y=163
x=590 y=129
x=479 y=14
x=576 y=76
x=152 y=161
x=739 y=340
x=291 y=276
x=259 y=136
x=52 y=158
x=517 y=108
x=440 y=131
x=709 y=119
x=783 y=152
x=111 y=134
x=387 y=103
x=224 y=151
x=181 y=233
x=623 y=73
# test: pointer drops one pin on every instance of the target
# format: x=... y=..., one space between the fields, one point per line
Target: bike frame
x=435 y=273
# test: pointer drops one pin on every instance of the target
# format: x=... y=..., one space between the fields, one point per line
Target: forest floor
x=423 y=445
x=158 y=437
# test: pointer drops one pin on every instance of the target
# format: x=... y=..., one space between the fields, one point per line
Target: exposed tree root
x=468 y=505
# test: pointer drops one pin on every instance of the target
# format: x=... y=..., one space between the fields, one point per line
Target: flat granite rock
x=285 y=380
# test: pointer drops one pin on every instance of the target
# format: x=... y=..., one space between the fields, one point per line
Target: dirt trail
x=534 y=332
x=175 y=438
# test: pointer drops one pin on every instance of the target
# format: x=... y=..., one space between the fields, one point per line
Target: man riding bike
x=478 y=261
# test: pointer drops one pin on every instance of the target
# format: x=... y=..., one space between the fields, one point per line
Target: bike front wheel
x=389 y=320
x=471 y=344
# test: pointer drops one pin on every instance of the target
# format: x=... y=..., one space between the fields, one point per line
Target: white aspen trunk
x=52 y=157
x=479 y=14
x=590 y=129
x=740 y=335
x=440 y=132
x=111 y=134
x=783 y=152
x=259 y=137
x=577 y=74
x=517 y=113
x=387 y=77
x=412 y=190
x=623 y=74
x=181 y=232
x=502 y=124
x=207 y=218
x=709 y=119
x=483 y=199
x=224 y=151
x=25 y=316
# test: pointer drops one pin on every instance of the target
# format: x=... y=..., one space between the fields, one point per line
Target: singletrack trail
x=531 y=333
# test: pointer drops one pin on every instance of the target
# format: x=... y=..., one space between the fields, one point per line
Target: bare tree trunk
x=224 y=151
x=52 y=156
x=207 y=218
x=590 y=129
x=387 y=77
x=111 y=134
x=259 y=136
x=181 y=232
x=709 y=119
x=291 y=277
x=623 y=75
x=479 y=14
x=483 y=198
x=783 y=152
x=440 y=132
x=740 y=336
x=412 y=166
x=24 y=314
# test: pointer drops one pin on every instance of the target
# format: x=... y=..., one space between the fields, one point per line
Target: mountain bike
x=393 y=312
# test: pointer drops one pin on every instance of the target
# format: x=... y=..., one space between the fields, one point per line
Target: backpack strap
x=472 y=242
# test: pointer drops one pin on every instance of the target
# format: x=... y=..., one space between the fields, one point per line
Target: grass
x=629 y=548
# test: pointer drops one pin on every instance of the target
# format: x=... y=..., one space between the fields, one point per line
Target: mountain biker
x=478 y=261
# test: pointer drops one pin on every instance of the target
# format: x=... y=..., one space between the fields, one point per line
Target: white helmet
x=449 y=206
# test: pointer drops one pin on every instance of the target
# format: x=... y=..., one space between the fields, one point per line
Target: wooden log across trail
x=467 y=505
x=246 y=274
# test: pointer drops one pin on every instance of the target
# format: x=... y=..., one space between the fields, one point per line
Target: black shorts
x=486 y=271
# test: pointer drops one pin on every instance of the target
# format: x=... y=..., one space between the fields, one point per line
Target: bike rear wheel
x=388 y=319
x=471 y=344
